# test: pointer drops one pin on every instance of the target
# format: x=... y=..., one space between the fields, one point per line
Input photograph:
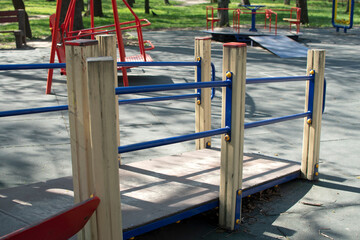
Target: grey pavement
x=36 y=148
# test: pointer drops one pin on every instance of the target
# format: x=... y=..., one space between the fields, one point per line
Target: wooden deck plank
x=150 y=190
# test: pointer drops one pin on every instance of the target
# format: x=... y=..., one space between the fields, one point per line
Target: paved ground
x=36 y=148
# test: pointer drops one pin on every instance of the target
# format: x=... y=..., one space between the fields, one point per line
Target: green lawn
x=173 y=16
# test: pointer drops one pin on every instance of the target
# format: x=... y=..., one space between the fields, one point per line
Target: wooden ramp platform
x=281 y=46
x=228 y=34
x=154 y=193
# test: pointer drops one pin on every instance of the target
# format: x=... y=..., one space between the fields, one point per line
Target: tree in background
x=79 y=7
x=98 y=12
x=19 y=4
x=304 y=18
x=245 y=2
x=223 y=14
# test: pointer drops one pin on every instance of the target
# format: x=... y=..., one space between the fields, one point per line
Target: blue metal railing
x=168 y=87
x=180 y=86
x=158 y=99
x=32 y=66
x=33 y=110
x=307 y=114
x=63 y=65
x=278 y=79
x=172 y=140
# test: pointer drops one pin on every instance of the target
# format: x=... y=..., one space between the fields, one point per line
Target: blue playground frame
x=155 y=143
x=341 y=23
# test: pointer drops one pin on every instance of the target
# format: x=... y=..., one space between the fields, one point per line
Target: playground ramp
x=281 y=46
x=154 y=193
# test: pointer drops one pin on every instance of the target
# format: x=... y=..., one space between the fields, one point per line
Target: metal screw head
x=198 y=58
x=208 y=144
x=312 y=72
x=228 y=74
x=239 y=192
x=316 y=174
x=198 y=102
x=227 y=137
x=309 y=121
x=238 y=221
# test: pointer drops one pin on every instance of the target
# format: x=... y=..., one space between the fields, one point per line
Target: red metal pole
x=120 y=41
x=53 y=46
x=92 y=18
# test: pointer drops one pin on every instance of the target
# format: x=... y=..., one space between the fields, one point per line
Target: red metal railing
x=66 y=33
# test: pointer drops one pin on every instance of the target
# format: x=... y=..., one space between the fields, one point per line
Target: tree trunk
x=245 y=2
x=131 y=3
x=78 y=22
x=167 y=2
x=213 y=1
x=223 y=14
x=147 y=6
x=347 y=6
x=304 y=18
x=286 y=2
x=19 y=4
x=98 y=12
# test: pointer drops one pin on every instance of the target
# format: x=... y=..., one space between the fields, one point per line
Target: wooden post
x=312 y=128
x=103 y=121
x=107 y=47
x=76 y=53
x=203 y=105
x=234 y=60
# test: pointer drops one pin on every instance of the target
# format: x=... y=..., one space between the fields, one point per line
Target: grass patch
x=167 y=16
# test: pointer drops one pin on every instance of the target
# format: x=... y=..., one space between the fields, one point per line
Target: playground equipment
x=211 y=12
x=163 y=191
x=277 y=41
x=343 y=17
x=66 y=33
x=295 y=20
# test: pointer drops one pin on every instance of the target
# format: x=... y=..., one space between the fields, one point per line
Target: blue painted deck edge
x=203 y=208
x=261 y=187
x=169 y=220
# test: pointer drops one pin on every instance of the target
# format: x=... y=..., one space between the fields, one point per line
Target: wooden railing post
x=312 y=126
x=234 y=61
x=76 y=68
x=102 y=109
x=107 y=47
x=203 y=105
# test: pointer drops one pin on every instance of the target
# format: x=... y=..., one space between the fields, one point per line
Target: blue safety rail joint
x=198 y=79
x=238 y=209
x=228 y=105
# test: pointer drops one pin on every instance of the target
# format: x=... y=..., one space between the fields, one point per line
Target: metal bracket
x=238 y=209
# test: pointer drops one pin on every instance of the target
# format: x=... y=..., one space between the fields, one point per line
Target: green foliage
x=166 y=16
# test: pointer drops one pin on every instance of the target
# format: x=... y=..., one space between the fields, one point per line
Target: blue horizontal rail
x=66 y=107
x=158 y=99
x=32 y=66
x=168 y=87
x=279 y=79
x=156 y=64
x=172 y=140
x=33 y=110
x=63 y=65
x=276 y=120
